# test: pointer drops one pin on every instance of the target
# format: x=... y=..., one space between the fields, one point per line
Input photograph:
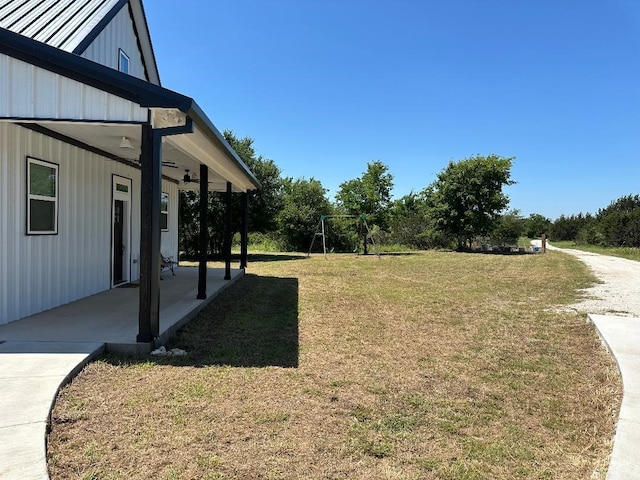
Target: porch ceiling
x=179 y=152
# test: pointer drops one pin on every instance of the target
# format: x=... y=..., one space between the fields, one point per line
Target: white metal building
x=93 y=152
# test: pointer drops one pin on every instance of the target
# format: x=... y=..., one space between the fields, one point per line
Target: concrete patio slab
x=111 y=317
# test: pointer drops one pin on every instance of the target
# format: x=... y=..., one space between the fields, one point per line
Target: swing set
x=321 y=231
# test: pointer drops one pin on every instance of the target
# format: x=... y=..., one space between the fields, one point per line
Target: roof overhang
x=95 y=106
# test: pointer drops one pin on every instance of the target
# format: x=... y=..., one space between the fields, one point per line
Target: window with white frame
x=164 y=212
x=123 y=61
x=42 y=197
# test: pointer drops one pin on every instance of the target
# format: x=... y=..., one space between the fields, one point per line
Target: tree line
x=617 y=225
x=464 y=204
x=464 y=207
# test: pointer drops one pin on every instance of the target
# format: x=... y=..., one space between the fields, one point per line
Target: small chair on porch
x=167 y=263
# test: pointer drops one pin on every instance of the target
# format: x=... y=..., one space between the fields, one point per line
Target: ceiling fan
x=188 y=178
x=169 y=164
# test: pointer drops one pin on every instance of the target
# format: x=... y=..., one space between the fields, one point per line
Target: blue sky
x=326 y=86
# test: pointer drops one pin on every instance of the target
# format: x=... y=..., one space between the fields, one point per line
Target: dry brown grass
x=421 y=366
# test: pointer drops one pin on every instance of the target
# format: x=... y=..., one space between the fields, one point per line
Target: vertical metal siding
x=169 y=239
x=119 y=34
x=43 y=271
x=28 y=91
x=10 y=220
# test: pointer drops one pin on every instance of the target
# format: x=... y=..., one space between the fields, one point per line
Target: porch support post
x=150 y=191
x=202 y=266
x=227 y=234
x=244 y=230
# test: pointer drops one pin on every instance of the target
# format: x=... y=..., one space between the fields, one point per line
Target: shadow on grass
x=267 y=257
x=499 y=252
x=253 y=258
x=252 y=324
x=368 y=255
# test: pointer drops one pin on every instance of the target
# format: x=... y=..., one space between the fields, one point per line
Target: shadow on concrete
x=253 y=324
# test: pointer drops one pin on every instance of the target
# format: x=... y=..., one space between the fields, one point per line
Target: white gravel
x=619 y=292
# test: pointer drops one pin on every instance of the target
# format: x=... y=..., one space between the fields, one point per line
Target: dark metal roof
x=60 y=23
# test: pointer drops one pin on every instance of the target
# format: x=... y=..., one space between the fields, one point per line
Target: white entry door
x=121 y=231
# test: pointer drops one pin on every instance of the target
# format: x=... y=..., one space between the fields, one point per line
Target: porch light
x=126 y=143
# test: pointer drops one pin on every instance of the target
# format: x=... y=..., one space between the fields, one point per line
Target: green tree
x=508 y=229
x=569 y=228
x=304 y=201
x=535 y=225
x=619 y=223
x=466 y=199
x=264 y=204
x=369 y=195
x=408 y=221
x=189 y=223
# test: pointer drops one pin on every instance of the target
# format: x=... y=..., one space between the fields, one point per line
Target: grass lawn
x=631 y=253
x=432 y=365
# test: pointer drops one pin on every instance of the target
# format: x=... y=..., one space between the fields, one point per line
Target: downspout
x=150 y=192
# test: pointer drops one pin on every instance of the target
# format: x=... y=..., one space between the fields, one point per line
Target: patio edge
x=165 y=336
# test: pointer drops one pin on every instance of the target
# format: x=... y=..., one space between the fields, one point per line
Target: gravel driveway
x=608 y=303
x=619 y=292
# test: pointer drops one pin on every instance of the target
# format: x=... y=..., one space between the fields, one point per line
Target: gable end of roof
x=73 y=25
x=88 y=39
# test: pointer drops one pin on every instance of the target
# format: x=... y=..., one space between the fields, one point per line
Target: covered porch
x=156 y=138
x=111 y=317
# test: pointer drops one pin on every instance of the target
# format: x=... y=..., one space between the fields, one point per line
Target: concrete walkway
x=41 y=353
x=621 y=335
x=31 y=374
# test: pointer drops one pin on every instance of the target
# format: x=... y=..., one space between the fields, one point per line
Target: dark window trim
x=28 y=231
